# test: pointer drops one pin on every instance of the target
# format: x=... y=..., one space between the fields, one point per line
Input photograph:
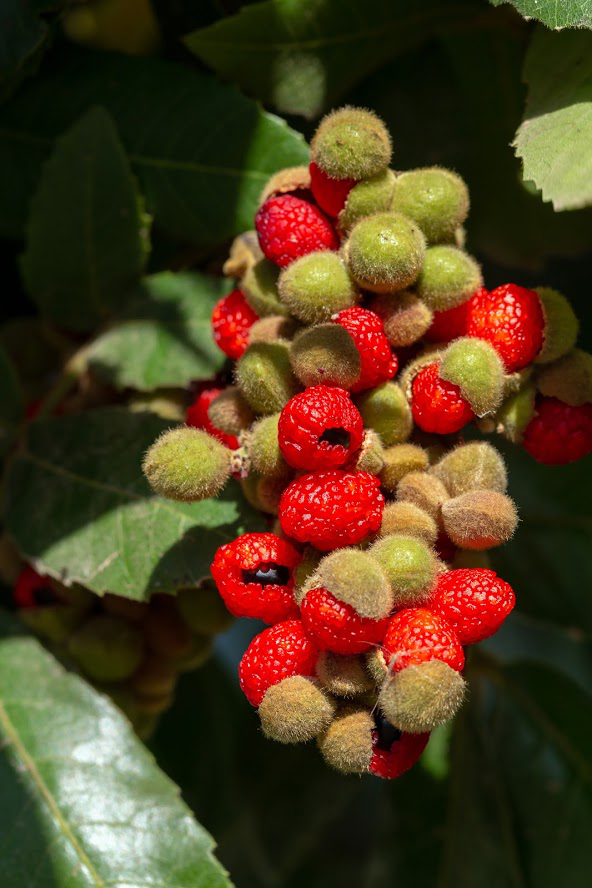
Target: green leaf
x=86 y=240
x=554 y=13
x=24 y=33
x=84 y=803
x=302 y=57
x=554 y=141
x=165 y=339
x=201 y=151
x=521 y=789
x=79 y=507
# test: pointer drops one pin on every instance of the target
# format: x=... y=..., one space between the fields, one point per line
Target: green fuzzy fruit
x=409 y=565
x=479 y=519
x=409 y=520
x=386 y=410
x=561 y=325
x=385 y=252
x=351 y=143
x=229 y=412
x=516 y=412
x=473 y=466
x=371 y=454
x=476 y=368
x=435 y=198
x=373 y=195
x=405 y=317
x=317 y=286
x=400 y=460
x=187 y=465
x=260 y=287
x=425 y=491
x=203 y=610
x=107 y=648
x=355 y=578
x=264 y=449
x=264 y=375
x=295 y=710
x=244 y=252
x=326 y=355
x=569 y=379
x=417 y=699
x=271 y=328
x=346 y=745
x=448 y=278
x=343 y=676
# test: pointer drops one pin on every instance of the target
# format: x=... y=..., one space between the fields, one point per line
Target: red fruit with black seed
x=197 y=416
x=232 y=318
x=511 y=319
x=379 y=362
x=289 y=227
x=277 y=653
x=33 y=590
x=394 y=752
x=474 y=601
x=558 y=433
x=336 y=626
x=330 y=194
x=415 y=635
x=437 y=405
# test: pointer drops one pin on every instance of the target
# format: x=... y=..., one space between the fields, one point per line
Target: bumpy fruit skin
x=415 y=635
x=336 y=626
x=331 y=509
x=320 y=429
x=379 y=362
x=289 y=227
x=511 y=319
x=277 y=653
x=33 y=590
x=197 y=417
x=244 y=571
x=448 y=325
x=438 y=406
x=330 y=194
x=402 y=754
x=232 y=318
x=474 y=601
x=558 y=434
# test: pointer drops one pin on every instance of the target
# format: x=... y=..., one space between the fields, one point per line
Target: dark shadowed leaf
x=554 y=13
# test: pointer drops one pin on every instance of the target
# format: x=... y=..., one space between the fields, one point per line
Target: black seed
x=337 y=437
x=268 y=574
x=387 y=733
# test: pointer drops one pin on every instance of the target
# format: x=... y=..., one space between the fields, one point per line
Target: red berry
x=275 y=654
x=231 y=319
x=330 y=194
x=254 y=577
x=197 y=416
x=392 y=761
x=437 y=405
x=474 y=601
x=331 y=509
x=335 y=626
x=558 y=433
x=448 y=325
x=33 y=590
x=511 y=319
x=320 y=428
x=289 y=227
x=379 y=362
x=415 y=635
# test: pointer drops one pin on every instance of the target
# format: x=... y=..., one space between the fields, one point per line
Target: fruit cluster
x=375 y=576
x=132 y=651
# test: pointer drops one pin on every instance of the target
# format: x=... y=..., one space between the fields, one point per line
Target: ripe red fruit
x=254 y=577
x=437 y=405
x=448 y=325
x=396 y=753
x=336 y=626
x=331 y=509
x=474 y=601
x=415 y=635
x=231 y=319
x=558 y=433
x=330 y=194
x=320 y=429
x=33 y=590
x=379 y=362
x=197 y=417
x=289 y=227
x=275 y=654
x=511 y=319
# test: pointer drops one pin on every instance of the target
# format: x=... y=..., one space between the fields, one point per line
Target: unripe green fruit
x=448 y=278
x=343 y=676
x=271 y=328
x=152 y=704
x=187 y=465
x=53 y=622
x=264 y=492
x=134 y=611
x=107 y=648
x=346 y=745
x=425 y=491
x=229 y=412
x=260 y=288
x=373 y=195
x=295 y=710
x=285 y=181
x=326 y=355
x=419 y=698
x=515 y=413
x=264 y=375
x=377 y=666
x=167 y=403
x=400 y=460
x=410 y=520
x=479 y=519
x=405 y=317
x=264 y=449
x=354 y=577
x=473 y=466
x=317 y=286
x=244 y=252
x=569 y=379
x=477 y=369
x=304 y=571
x=386 y=410
x=371 y=456
x=154 y=677
x=196 y=656
x=166 y=634
x=385 y=252
x=435 y=198
x=351 y=143
x=409 y=565
x=561 y=325
x=203 y=610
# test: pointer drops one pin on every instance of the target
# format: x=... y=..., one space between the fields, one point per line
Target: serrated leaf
x=165 y=339
x=83 y=802
x=201 y=151
x=302 y=57
x=86 y=234
x=78 y=506
x=554 y=141
x=554 y=13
